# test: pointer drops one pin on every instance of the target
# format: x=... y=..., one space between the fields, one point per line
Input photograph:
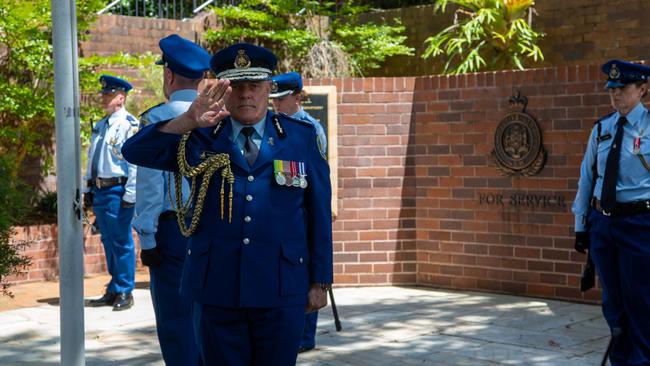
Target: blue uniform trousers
x=309 y=333
x=250 y=336
x=115 y=227
x=173 y=311
x=620 y=248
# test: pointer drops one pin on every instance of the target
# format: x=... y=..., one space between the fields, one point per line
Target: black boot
x=123 y=301
x=106 y=300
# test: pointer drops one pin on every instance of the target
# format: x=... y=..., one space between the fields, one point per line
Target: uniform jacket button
x=251 y=178
x=247 y=219
x=249 y=197
x=246 y=241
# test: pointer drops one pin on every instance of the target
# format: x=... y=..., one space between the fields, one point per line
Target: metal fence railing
x=170 y=9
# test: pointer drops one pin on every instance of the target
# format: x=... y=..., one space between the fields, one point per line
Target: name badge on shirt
x=604 y=137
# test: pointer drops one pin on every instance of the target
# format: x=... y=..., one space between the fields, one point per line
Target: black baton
x=337 y=322
x=609 y=348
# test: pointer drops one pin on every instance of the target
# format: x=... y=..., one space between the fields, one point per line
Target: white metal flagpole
x=68 y=181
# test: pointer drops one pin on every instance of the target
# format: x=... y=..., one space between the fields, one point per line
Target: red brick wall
x=414 y=160
x=577 y=32
x=468 y=245
x=375 y=230
x=119 y=33
x=44 y=253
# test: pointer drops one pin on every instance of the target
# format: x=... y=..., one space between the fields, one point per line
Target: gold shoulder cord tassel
x=208 y=166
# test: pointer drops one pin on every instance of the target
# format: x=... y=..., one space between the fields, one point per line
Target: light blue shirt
x=238 y=138
x=107 y=138
x=634 y=179
x=304 y=116
x=153 y=189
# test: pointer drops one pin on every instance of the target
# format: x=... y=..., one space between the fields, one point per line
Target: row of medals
x=286 y=179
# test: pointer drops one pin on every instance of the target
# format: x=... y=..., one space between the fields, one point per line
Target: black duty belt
x=623 y=208
x=108 y=182
x=167 y=215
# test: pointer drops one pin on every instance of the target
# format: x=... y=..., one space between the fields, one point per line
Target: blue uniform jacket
x=304 y=116
x=152 y=191
x=280 y=238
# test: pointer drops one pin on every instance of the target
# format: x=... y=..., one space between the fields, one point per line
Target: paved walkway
x=381 y=326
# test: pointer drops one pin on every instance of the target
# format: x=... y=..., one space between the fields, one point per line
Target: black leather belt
x=167 y=215
x=623 y=208
x=108 y=182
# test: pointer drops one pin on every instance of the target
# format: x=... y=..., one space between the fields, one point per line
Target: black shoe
x=106 y=300
x=123 y=301
x=305 y=348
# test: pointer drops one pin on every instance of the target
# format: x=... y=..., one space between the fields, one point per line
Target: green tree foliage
x=27 y=76
x=486 y=34
x=26 y=112
x=13 y=206
x=307 y=35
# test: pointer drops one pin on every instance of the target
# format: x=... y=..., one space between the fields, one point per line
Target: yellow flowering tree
x=486 y=35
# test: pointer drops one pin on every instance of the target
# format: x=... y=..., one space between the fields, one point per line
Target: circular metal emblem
x=614 y=73
x=241 y=60
x=518 y=146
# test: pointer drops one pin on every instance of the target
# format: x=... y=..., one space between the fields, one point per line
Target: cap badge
x=242 y=61
x=274 y=87
x=614 y=73
x=103 y=81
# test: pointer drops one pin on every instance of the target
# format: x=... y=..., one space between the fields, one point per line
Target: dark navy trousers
x=620 y=248
x=250 y=336
x=115 y=227
x=173 y=311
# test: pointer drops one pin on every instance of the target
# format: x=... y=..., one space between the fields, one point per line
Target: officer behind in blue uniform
x=261 y=259
x=163 y=246
x=616 y=229
x=287 y=96
x=110 y=189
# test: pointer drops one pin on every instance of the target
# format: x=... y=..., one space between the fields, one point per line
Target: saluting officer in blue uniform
x=163 y=246
x=110 y=189
x=261 y=259
x=287 y=95
x=617 y=228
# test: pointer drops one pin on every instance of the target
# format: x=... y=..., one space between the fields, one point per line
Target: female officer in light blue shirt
x=617 y=228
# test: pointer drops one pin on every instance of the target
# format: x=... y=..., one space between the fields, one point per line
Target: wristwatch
x=324 y=286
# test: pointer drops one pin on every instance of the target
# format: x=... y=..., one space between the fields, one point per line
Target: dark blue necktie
x=608 y=194
x=250 y=149
x=94 y=166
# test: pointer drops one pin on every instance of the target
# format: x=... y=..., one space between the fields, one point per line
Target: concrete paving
x=381 y=326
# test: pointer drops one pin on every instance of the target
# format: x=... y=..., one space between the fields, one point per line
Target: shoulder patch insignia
x=132 y=131
x=321 y=149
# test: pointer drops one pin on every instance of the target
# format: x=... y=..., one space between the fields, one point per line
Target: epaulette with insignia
x=132 y=121
x=148 y=110
x=218 y=128
x=605 y=117
x=278 y=126
x=144 y=120
x=306 y=123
